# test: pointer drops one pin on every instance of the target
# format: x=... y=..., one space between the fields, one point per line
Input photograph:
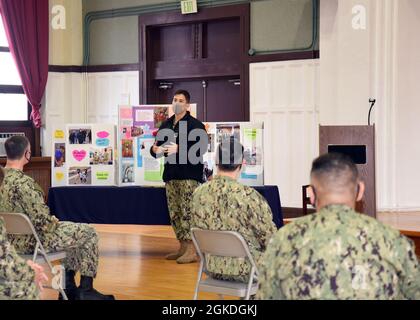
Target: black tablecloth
x=128 y=205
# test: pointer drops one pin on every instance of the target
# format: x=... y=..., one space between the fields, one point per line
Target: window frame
x=14 y=89
x=32 y=133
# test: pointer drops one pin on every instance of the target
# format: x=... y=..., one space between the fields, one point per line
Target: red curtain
x=27 y=29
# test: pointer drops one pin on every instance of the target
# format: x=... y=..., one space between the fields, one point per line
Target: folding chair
x=19 y=224
x=223 y=244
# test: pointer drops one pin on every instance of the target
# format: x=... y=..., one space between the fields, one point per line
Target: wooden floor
x=132 y=264
x=404 y=221
x=407 y=222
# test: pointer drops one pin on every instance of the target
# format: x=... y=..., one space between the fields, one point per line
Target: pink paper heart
x=103 y=134
x=79 y=155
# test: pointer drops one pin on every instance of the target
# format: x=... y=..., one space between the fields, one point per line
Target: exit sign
x=189 y=6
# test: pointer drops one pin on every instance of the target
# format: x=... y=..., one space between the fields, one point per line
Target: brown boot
x=189 y=256
x=179 y=253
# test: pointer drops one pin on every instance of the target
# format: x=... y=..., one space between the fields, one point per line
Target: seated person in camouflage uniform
x=21 y=194
x=338 y=253
x=224 y=204
x=19 y=280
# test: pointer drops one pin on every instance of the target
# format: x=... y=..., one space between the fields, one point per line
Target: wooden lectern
x=359 y=143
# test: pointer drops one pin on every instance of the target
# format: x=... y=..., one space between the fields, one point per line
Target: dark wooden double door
x=216 y=99
x=202 y=54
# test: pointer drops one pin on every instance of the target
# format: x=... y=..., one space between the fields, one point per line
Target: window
x=13 y=103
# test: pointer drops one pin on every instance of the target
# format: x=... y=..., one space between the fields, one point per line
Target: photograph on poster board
x=226 y=130
x=136 y=132
x=80 y=176
x=161 y=114
x=101 y=156
x=80 y=135
x=252 y=152
x=127 y=172
x=211 y=145
x=59 y=155
x=253 y=156
x=127 y=148
x=208 y=170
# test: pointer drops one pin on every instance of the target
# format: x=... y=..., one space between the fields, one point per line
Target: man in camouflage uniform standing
x=181 y=175
x=224 y=204
x=19 y=280
x=21 y=194
x=338 y=253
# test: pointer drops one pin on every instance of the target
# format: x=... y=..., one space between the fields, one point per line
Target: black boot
x=87 y=292
x=71 y=288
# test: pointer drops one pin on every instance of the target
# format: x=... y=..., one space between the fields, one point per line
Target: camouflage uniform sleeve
x=410 y=285
x=31 y=198
x=261 y=220
x=269 y=281
x=12 y=266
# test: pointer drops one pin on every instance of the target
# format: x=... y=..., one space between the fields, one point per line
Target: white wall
x=64 y=102
x=66 y=45
x=345 y=64
x=284 y=95
x=380 y=62
x=85 y=98
x=105 y=90
x=407 y=111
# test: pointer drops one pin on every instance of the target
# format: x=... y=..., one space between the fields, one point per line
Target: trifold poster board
x=84 y=155
x=137 y=128
x=251 y=137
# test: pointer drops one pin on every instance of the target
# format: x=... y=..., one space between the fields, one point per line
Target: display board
x=137 y=128
x=84 y=155
x=251 y=137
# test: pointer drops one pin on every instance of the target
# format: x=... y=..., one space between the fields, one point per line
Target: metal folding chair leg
x=63 y=294
x=20 y=224
x=45 y=256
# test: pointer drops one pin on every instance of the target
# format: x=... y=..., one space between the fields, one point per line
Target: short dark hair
x=230 y=154
x=334 y=169
x=15 y=147
x=185 y=93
